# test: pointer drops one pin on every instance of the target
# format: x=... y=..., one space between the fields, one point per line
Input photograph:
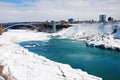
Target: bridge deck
x=40 y=26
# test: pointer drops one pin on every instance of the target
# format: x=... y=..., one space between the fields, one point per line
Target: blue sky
x=42 y=10
x=14 y=1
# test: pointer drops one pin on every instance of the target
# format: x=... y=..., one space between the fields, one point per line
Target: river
x=98 y=62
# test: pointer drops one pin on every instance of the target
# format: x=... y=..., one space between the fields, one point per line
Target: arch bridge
x=22 y=26
x=39 y=26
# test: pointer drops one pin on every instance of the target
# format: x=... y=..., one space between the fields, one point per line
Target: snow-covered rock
x=20 y=64
x=1 y=78
x=116 y=35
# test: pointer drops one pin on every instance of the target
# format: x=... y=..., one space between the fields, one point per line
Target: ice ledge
x=108 y=42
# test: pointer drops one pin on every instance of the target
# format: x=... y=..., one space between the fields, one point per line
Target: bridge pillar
x=54 y=26
x=1 y=29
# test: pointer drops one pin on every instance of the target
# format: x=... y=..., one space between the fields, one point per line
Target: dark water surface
x=98 y=62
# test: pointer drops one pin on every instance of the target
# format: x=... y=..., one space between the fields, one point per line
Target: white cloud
x=58 y=9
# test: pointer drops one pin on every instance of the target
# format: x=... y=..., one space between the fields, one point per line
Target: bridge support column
x=54 y=26
x=1 y=29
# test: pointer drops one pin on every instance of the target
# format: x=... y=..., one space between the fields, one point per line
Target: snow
x=20 y=64
x=97 y=34
x=22 y=35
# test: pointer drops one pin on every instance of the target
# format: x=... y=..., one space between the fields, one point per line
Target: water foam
x=96 y=34
x=85 y=31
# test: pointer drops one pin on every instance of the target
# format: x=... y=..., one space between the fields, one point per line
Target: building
x=71 y=20
x=102 y=18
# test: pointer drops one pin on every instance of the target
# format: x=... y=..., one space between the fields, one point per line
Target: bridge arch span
x=22 y=26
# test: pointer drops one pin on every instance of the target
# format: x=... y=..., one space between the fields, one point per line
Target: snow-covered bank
x=20 y=64
x=24 y=35
x=106 y=36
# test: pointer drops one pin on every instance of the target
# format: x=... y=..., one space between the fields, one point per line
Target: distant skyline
x=42 y=10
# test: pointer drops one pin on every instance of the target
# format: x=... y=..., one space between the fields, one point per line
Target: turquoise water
x=102 y=63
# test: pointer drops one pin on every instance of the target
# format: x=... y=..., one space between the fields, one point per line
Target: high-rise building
x=102 y=18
